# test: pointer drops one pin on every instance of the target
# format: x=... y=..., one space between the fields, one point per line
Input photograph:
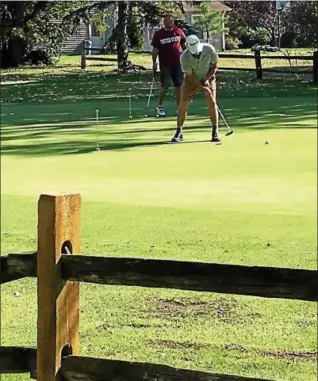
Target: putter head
x=229 y=133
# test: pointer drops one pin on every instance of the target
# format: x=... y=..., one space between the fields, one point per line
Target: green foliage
x=260 y=35
x=302 y=22
x=209 y=21
x=186 y=27
x=298 y=25
x=33 y=25
x=232 y=43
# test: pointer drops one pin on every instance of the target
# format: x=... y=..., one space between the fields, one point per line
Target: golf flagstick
x=97 y=124
x=130 y=115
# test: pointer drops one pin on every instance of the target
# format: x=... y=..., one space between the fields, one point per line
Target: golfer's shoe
x=160 y=111
x=215 y=139
x=178 y=137
x=215 y=136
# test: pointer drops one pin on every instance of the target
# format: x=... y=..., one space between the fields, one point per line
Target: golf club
x=97 y=124
x=151 y=89
x=229 y=131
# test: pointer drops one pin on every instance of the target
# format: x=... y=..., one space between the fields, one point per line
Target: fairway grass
x=195 y=201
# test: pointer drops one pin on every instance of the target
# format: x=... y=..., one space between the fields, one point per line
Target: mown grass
x=145 y=198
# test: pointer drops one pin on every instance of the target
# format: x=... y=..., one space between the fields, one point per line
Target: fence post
x=59 y=223
x=83 y=56
x=258 y=64
x=315 y=67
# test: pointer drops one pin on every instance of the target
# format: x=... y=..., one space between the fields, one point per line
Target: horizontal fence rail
x=74 y=368
x=17 y=360
x=257 y=57
x=17 y=266
x=269 y=282
x=230 y=279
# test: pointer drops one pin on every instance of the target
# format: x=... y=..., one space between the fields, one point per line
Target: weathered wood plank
x=17 y=266
x=88 y=58
x=229 y=68
x=265 y=56
x=267 y=282
x=281 y=57
x=92 y=369
x=59 y=225
x=234 y=56
x=284 y=71
x=17 y=360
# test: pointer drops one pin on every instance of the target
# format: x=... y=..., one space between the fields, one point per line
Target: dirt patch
x=305 y=323
x=235 y=347
x=184 y=307
x=289 y=356
x=106 y=326
x=177 y=344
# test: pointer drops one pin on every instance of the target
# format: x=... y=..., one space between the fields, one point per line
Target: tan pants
x=188 y=90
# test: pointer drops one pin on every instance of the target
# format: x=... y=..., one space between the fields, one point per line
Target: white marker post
x=130 y=115
x=97 y=124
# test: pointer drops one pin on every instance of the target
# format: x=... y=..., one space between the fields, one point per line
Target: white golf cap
x=194 y=44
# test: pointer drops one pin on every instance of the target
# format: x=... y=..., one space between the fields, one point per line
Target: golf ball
x=157 y=116
x=266 y=141
x=146 y=116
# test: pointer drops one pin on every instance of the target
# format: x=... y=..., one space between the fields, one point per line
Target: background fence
x=258 y=58
x=59 y=268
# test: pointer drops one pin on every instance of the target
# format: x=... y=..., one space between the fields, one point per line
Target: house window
x=94 y=31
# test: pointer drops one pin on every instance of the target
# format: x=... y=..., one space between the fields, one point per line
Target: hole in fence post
x=67 y=248
x=66 y=351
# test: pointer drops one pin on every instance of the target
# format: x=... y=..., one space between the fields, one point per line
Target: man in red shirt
x=167 y=43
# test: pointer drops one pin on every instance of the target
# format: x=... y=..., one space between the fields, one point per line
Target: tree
x=14 y=19
x=122 y=42
x=247 y=16
x=303 y=23
x=27 y=24
x=149 y=12
x=298 y=25
x=209 y=21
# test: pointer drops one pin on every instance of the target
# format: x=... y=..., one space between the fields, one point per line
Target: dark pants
x=172 y=74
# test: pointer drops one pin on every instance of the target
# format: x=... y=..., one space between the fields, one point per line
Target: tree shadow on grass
x=71 y=137
x=76 y=147
x=80 y=85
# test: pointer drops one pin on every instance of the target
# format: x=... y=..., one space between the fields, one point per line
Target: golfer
x=168 y=42
x=199 y=63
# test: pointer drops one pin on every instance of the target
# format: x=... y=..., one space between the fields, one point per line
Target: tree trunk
x=123 y=41
x=13 y=54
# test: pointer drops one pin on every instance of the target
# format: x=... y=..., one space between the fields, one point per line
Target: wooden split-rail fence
x=59 y=268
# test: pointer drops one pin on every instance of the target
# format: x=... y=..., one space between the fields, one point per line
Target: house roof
x=214 y=5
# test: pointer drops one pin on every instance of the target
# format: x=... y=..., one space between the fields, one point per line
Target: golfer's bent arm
x=211 y=73
x=190 y=76
x=193 y=79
